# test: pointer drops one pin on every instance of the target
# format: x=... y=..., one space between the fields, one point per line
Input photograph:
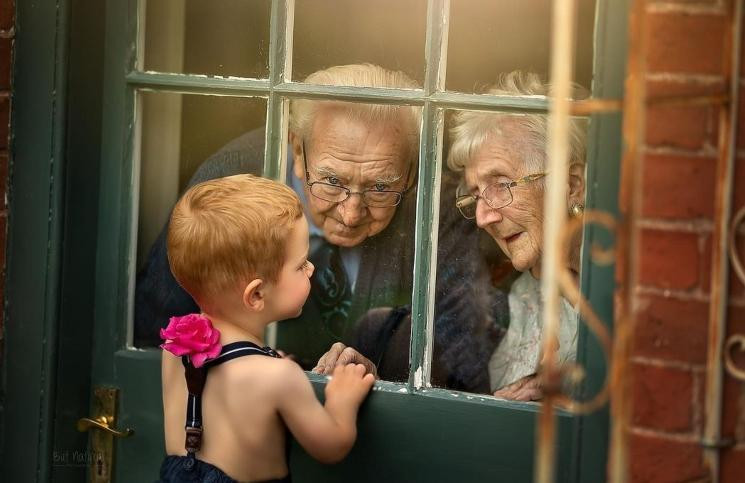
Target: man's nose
x=352 y=210
x=486 y=215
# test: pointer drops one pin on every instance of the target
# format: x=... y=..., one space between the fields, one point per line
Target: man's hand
x=526 y=389
x=341 y=355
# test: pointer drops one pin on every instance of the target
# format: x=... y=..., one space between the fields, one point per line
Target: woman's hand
x=341 y=355
x=526 y=389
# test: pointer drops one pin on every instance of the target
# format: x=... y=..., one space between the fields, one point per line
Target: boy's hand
x=349 y=384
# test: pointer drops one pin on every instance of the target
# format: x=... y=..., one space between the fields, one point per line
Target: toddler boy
x=239 y=246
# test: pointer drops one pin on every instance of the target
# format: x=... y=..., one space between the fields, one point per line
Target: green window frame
x=586 y=434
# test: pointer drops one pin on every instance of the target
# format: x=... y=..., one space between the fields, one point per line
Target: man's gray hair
x=526 y=133
x=302 y=111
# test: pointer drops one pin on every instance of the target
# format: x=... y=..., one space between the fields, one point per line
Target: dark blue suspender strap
x=195 y=379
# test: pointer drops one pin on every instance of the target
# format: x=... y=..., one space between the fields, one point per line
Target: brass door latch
x=102 y=439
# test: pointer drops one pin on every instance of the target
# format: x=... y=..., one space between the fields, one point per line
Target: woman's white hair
x=302 y=111
x=526 y=133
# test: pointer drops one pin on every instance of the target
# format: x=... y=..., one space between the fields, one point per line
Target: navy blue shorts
x=182 y=469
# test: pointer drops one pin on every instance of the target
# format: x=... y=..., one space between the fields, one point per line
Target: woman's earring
x=577 y=210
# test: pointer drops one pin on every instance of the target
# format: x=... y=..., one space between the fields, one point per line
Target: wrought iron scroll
x=736 y=341
x=575 y=373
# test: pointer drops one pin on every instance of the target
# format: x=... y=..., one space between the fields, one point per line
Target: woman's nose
x=352 y=210
x=486 y=215
x=311 y=268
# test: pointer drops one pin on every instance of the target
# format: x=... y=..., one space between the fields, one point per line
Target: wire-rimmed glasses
x=497 y=195
x=336 y=193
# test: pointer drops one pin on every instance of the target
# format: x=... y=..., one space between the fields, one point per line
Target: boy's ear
x=254 y=295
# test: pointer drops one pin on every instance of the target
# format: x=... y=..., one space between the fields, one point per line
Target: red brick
x=733 y=413
x=681 y=127
x=740 y=117
x=678 y=187
x=660 y=460
x=663 y=398
x=6 y=46
x=672 y=330
x=7 y=14
x=736 y=288
x=685 y=43
x=739 y=178
x=669 y=259
x=733 y=465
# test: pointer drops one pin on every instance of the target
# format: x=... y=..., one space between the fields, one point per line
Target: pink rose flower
x=191 y=335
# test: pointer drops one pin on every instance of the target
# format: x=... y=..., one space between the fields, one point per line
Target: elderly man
x=354 y=167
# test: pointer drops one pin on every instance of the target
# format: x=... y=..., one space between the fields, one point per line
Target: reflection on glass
x=184 y=139
x=354 y=166
x=500 y=160
x=487 y=37
x=225 y=38
x=389 y=33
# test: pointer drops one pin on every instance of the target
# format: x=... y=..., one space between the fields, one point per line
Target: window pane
x=219 y=38
x=184 y=139
x=495 y=175
x=363 y=255
x=389 y=33
x=488 y=37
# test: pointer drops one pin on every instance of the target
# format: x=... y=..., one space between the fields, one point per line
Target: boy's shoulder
x=268 y=372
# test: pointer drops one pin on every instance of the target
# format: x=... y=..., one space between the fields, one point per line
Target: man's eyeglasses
x=497 y=195
x=336 y=193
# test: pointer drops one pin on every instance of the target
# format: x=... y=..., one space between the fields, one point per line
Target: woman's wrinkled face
x=518 y=227
x=357 y=155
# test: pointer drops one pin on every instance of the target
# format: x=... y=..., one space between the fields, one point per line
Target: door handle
x=102 y=423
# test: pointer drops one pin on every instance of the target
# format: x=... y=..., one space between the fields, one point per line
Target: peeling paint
x=418 y=377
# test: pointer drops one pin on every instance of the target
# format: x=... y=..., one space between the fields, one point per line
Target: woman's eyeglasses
x=497 y=195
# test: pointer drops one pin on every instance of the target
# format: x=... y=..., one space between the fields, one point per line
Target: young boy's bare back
x=245 y=433
x=249 y=403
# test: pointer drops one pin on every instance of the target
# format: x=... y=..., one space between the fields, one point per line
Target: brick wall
x=7 y=32
x=686 y=50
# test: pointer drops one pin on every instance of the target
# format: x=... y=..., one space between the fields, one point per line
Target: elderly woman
x=503 y=157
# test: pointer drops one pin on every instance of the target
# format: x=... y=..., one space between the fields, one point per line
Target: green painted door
x=153 y=98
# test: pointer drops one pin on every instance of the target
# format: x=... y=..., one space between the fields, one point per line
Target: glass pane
x=184 y=139
x=388 y=33
x=352 y=163
x=488 y=37
x=218 y=38
x=492 y=229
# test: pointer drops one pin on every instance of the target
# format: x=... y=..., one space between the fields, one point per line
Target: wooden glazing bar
x=427 y=203
x=280 y=70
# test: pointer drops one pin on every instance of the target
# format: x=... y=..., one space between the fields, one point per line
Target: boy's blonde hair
x=230 y=230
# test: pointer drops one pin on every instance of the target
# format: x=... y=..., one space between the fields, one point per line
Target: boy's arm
x=326 y=432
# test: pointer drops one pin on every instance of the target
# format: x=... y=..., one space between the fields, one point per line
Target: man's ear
x=254 y=295
x=576 y=180
x=298 y=165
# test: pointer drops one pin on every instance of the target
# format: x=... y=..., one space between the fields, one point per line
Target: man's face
x=357 y=155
